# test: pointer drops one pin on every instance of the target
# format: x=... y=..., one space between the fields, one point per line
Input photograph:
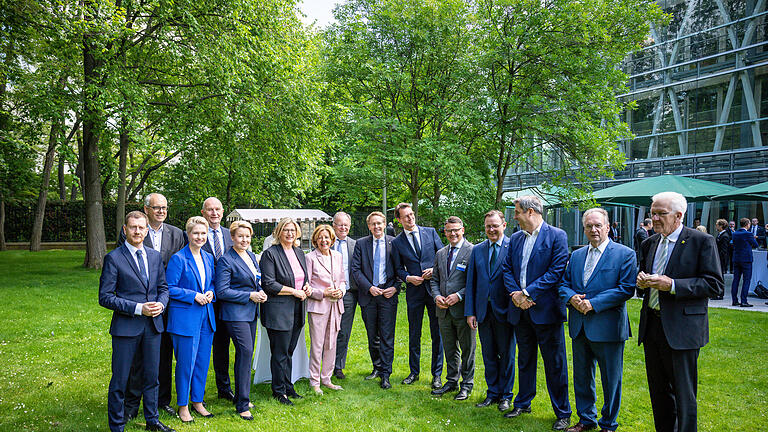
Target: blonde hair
x=236 y=225
x=376 y=213
x=702 y=228
x=196 y=220
x=281 y=226
x=319 y=230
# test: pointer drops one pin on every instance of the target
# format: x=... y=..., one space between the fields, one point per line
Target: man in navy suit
x=743 y=243
x=598 y=281
x=371 y=269
x=485 y=307
x=758 y=232
x=534 y=267
x=413 y=255
x=133 y=286
x=219 y=241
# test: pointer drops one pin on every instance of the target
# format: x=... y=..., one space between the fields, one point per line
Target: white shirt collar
x=675 y=234
x=601 y=247
x=536 y=231
x=133 y=249
x=157 y=230
x=415 y=230
x=459 y=245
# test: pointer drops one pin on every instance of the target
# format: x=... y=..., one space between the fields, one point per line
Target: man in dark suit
x=614 y=234
x=680 y=270
x=448 y=284
x=534 y=267
x=413 y=255
x=723 y=241
x=600 y=278
x=642 y=233
x=485 y=308
x=219 y=241
x=133 y=286
x=758 y=232
x=731 y=230
x=743 y=243
x=372 y=270
x=166 y=239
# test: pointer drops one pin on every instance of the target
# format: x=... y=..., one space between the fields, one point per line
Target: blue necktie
x=376 y=264
x=142 y=268
x=216 y=245
x=338 y=246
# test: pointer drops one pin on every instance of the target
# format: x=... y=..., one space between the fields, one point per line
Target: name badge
x=461 y=267
x=258 y=275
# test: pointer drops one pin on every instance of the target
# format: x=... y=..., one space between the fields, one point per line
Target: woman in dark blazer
x=191 y=320
x=284 y=279
x=238 y=291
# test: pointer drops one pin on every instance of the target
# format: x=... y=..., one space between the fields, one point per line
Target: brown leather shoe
x=580 y=427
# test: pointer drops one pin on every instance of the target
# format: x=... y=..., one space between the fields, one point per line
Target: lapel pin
x=682 y=242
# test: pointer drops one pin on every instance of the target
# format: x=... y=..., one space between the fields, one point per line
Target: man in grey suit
x=449 y=279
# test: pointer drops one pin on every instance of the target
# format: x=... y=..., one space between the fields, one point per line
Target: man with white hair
x=679 y=272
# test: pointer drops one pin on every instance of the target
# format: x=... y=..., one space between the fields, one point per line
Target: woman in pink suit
x=325 y=268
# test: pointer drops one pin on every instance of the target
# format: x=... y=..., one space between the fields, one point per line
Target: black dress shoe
x=488 y=401
x=581 y=427
x=385 y=383
x=209 y=415
x=503 y=405
x=463 y=394
x=227 y=394
x=436 y=382
x=374 y=374
x=292 y=394
x=517 y=411
x=283 y=399
x=168 y=410
x=561 y=424
x=746 y=305
x=159 y=427
x=444 y=389
x=248 y=417
x=338 y=373
x=410 y=379
x=735 y=304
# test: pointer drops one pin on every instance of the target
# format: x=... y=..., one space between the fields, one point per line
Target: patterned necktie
x=142 y=268
x=416 y=245
x=494 y=255
x=376 y=263
x=216 y=244
x=450 y=258
x=589 y=266
x=658 y=268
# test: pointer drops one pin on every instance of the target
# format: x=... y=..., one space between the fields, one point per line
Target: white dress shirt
x=672 y=238
x=341 y=247
x=530 y=240
x=596 y=253
x=382 y=258
x=133 y=250
x=201 y=269
x=456 y=250
x=411 y=237
x=217 y=232
x=156 y=237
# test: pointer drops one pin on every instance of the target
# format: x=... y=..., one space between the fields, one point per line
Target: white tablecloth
x=262 y=355
x=759 y=269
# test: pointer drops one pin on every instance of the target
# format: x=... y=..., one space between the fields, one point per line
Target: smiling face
x=376 y=226
x=341 y=226
x=135 y=231
x=288 y=235
x=494 y=228
x=407 y=218
x=595 y=228
x=198 y=236
x=454 y=232
x=525 y=218
x=323 y=242
x=157 y=210
x=241 y=239
x=212 y=212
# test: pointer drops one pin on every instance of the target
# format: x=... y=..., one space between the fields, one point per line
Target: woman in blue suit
x=238 y=290
x=191 y=320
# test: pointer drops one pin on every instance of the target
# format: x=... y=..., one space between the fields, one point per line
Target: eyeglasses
x=159 y=208
x=451 y=231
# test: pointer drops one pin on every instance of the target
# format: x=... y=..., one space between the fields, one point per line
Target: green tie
x=658 y=268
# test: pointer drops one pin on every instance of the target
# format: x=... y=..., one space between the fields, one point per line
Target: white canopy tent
x=307 y=218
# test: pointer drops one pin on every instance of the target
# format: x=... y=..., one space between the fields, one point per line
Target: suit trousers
x=347 y=320
x=221 y=354
x=741 y=270
x=672 y=380
x=610 y=357
x=550 y=339
x=193 y=355
x=380 y=317
x=134 y=390
x=497 y=342
x=415 y=319
x=282 y=344
x=243 y=335
x=323 y=329
x=459 y=343
x=124 y=350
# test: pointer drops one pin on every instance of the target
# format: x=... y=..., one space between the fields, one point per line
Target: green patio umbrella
x=639 y=192
x=757 y=192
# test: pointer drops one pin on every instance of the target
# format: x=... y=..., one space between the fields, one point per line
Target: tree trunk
x=2 y=222
x=120 y=212
x=42 y=197
x=77 y=179
x=61 y=180
x=96 y=242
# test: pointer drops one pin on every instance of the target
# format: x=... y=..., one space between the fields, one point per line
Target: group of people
x=515 y=292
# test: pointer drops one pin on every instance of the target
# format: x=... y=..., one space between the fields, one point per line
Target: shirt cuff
x=525 y=291
x=672 y=289
x=139 y=307
x=459 y=296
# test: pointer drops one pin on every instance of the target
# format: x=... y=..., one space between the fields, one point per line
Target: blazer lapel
x=191 y=263
x=677 y=250
x=131 y=262
x=243 y=266
x=287 y=265
x=578 y=260
x=654 y=246
x=600 y=262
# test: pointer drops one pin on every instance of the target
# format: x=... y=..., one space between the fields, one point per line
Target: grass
x=55 y=351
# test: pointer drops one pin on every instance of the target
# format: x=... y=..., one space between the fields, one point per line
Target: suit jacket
x=695 y=268
x=277 y=311
x=743 y=242
x=610 y=285
x=225 y=235
x=121 y=287
x=351 y=283
x=407 y=263
x=185 y=315
x=234 y=284
x=723 y=240
x=760 y=236
x=361 y=268
x=173 y=240
x=446 y=281
x=486 y=285
x=320 y=279
x=546 y=266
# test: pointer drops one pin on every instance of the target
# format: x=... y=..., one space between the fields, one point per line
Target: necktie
x=589 y=266
x=216 y=244
x=142 y=268
x=416 y=245
x=494 y=255
x=658 y=268
x=338 y=246
x=450 y=258
x=376 y=263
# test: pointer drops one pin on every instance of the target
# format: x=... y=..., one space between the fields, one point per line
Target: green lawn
x=55 y=353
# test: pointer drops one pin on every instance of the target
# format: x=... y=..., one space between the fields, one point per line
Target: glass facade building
x=701 y=89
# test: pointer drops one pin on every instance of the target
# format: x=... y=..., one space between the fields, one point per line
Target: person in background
x=702 y=228
x=642 y=233
x=743 y=243
x=759 y=232
x=390 y=229
x=723 y=241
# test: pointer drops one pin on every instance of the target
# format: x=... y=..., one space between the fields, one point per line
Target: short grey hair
x=148 y=198
x=596 y=210
x=342 y=214
x=647 y=222
x=527 y=202
x=677 y=201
